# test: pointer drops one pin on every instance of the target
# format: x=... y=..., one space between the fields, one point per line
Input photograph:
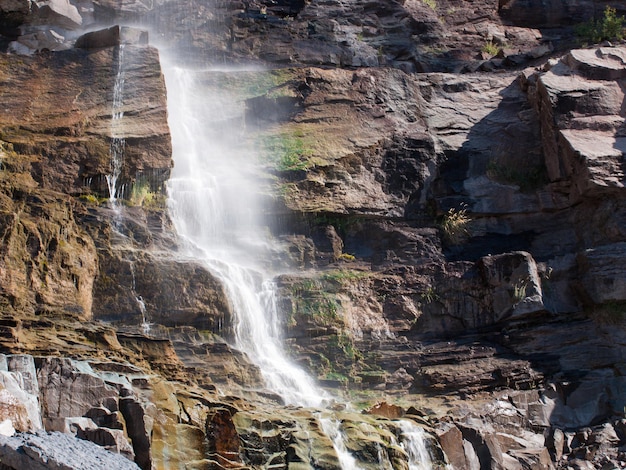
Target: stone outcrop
x=57 y=450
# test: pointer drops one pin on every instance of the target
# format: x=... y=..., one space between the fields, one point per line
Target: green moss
x=142 y=195
x=344 y=276
x=287 y=151
x=90 y=199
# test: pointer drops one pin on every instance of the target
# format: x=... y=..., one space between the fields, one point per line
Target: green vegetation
x=429 y=295
x=288 y=152
x=141 y=195
x=528 y=179
x=519 y=290
x=453 y=224
x=431 y=3
x=609 y=27
x=90 y=199
x=310 y=300
x=334 y=280
x=491 y=48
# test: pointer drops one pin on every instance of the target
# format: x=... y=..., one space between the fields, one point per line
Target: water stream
x=118 y=142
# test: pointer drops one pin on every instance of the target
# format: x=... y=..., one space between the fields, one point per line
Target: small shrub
x=491 y=48
x=90 y=199
x=454 y=225
x=519 y=290
x=429 y=295
x=431 y=3
x=610 y=27
x=141 y=195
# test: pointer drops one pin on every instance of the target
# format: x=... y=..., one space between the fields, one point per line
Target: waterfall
x=118 y=142
x=413 y=442
x=212 y=204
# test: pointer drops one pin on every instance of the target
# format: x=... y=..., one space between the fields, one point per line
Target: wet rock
x=139 y=428
x=221 y=433
x=114 y=36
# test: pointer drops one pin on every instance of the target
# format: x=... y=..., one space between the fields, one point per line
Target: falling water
x=414 y=443
x=212 y=204
x=118 y=142
x=331 y=427
x=145 y=325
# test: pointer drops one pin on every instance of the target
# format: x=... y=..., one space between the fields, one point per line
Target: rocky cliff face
x=452 y=221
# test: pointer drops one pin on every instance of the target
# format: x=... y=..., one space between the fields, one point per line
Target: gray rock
x=24 y=364
x=10 y=6
x=604 y=273
x=55 y=12
x=58 y=451
x=68 y=391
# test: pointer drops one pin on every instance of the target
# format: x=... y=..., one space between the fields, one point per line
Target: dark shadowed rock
x=114 y=36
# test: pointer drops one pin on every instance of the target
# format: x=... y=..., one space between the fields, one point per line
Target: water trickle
x=118 y=142
x=145 y=326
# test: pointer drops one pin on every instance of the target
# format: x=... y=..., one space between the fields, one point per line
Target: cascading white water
x=332 y=429
x=118 y=142
x=414 y=443
x=211 y=202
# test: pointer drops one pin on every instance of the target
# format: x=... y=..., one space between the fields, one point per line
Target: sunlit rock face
x=452 y=238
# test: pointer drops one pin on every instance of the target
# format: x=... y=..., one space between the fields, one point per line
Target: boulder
x=580 y=101
x=44 y=450
x=515 y=284
x=59 y=13
x=40 y=40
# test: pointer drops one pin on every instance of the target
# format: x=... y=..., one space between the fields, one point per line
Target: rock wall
x=452 y=218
